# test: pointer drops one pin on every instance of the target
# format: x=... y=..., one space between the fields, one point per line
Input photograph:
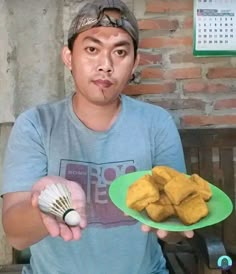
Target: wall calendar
x=214 y=28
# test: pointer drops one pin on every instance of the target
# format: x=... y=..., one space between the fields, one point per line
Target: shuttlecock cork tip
x=71 y=217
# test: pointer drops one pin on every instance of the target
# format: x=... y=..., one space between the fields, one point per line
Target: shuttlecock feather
x=56 y=199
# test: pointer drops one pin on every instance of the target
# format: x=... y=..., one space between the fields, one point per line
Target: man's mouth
x=103 y=83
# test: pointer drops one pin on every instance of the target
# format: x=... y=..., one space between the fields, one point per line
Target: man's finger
x=34 y=199
x=65 y=232
x=51 y=225
x=188 y=234
x=161 y=233
x=77 y=233
x=145 y=228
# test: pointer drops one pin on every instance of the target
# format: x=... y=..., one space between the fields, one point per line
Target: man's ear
x=66 y=57
x=136 y=63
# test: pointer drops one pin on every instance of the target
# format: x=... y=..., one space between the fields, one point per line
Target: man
x=85 y=141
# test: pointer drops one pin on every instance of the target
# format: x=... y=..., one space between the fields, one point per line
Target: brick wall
x=199 y=92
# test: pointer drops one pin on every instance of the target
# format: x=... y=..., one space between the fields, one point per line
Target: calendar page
x=214 y=27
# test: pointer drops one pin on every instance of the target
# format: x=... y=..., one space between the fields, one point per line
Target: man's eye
x=91 y=49
x=121 y=52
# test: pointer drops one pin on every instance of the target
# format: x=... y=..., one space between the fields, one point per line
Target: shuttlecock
x=56 y=199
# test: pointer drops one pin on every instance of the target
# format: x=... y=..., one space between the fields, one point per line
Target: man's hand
x=167 y=236
x=55 y=226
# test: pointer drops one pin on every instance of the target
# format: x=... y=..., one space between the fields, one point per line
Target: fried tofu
x=191 y=209
x=202 y=186
x=141 y=193
x=164 y=200
x=162 y=175
x=158 y=212
x=178 y=188
x=167 y=192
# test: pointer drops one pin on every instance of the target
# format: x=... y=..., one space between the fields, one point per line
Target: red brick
x=195 y=87
x=153 y=73
x=163 y=6
x=184 y=73
x=182 y=57
x=188 y=23
x=165 y=42
x=221 y=72
x=158 y=24
x=225 y=104
x=181 y=73
x=187 y=57
x=204 y=120
x=150 y=88
x=204 y=87
x=149 y=59
x=218 y=88
x=176 y=104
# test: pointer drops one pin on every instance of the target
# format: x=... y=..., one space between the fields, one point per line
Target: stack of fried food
x=167 y=192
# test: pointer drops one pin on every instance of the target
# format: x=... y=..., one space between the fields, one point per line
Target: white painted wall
x=32 y=33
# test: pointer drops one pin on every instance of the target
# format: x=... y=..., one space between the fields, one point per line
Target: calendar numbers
x=215 y=24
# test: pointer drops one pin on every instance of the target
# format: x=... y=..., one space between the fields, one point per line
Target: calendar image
x=214 y=27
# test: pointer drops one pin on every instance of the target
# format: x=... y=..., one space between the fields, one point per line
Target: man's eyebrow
x=123 y=43
x=97 y=41
x=90 y=38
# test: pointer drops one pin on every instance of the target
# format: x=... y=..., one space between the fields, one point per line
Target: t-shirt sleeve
x=25 y=158
x=168 y=146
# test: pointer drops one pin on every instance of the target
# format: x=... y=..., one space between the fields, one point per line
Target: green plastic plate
x=220 y=206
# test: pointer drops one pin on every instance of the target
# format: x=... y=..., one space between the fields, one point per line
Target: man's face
x=102 y=62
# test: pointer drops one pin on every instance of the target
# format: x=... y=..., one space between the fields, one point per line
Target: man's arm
x=25 y=224
x=22 y=222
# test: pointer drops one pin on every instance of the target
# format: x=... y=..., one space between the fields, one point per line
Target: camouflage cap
x=92 y=15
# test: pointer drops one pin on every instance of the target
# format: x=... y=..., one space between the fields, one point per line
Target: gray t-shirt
x=51 y=140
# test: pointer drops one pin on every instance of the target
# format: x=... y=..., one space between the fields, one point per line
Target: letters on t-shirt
x=95 y=179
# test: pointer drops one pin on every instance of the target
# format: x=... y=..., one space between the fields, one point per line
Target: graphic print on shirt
x=95 y=179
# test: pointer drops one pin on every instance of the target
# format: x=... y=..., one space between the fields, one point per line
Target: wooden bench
x=212 y=154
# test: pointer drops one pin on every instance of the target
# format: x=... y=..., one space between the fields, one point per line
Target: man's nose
x=105 y=63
